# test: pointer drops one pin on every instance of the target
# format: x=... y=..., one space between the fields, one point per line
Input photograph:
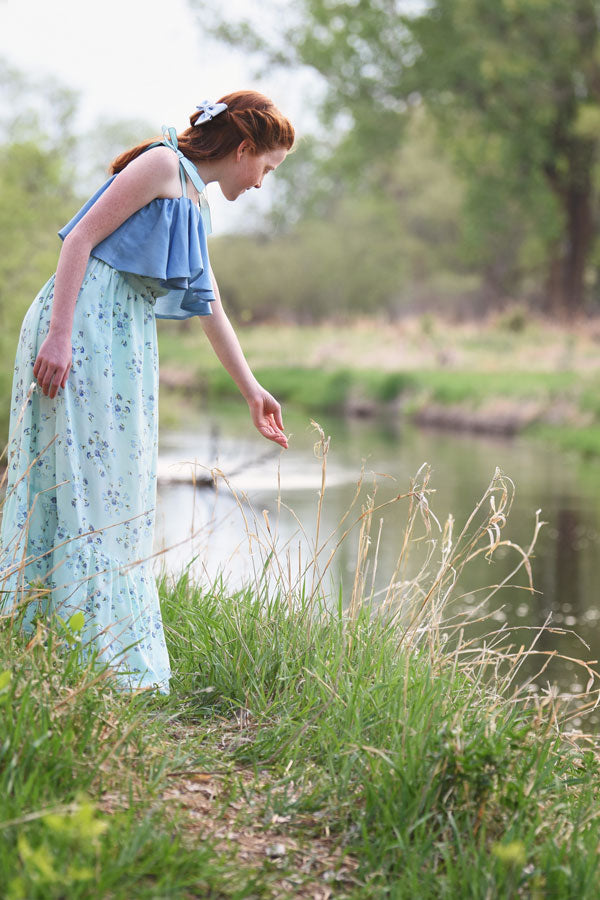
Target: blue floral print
x=81 y=493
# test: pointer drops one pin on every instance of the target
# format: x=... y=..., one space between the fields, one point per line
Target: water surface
x=265 y=479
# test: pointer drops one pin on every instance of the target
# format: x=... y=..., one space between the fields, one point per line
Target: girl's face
x=244 y=169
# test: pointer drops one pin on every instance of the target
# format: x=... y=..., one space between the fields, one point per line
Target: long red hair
x=249 y=116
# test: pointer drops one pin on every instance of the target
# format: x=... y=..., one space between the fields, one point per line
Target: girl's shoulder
x=169 y=170
x=157 y=163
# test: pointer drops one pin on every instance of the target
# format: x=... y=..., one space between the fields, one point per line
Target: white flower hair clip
x=209 y=110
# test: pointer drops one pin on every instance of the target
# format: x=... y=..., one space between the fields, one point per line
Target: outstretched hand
x=266 y=415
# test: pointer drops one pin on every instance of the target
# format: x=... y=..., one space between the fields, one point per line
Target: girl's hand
x=266 y=415
x=53 y=364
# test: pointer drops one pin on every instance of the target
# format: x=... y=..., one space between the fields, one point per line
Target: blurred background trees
x=512 y=88
x=37 y=198
x=46 y=170
x=453 y=167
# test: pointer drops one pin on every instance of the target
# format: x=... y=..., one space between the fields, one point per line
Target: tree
x=358 y=255
x=515 y=87
x=43 y=164
x=527 y=73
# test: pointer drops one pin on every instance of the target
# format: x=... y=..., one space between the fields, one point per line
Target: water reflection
x=565 y=563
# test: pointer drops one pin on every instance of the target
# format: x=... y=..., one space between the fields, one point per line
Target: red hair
x=249 y=116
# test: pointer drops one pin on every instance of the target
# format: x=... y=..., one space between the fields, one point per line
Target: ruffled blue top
x=164 y=244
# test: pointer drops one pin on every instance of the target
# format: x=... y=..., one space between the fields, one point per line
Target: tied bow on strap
x=209 y=110
x=170 y=140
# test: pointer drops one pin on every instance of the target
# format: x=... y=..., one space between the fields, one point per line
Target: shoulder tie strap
x=170 y=140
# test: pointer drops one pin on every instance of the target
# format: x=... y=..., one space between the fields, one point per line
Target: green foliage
x=95 y=149
x=42 y=163
x=331 y=390
x=513 y=88
x=524 y=75
x=43 y=865
x=366 y=731
x=363 y=251
x=70 y=740
x=37 y=199
x=436 y=784
x=584 y=440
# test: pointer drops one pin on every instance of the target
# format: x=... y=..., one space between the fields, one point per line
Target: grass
x=412 y=344
x=479 y=376
x=332 y=390
x=313 y=744
x=585 y=440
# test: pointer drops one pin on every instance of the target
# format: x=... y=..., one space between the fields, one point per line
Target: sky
x=145 y=59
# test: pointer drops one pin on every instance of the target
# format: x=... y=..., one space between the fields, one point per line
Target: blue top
x=164 y=242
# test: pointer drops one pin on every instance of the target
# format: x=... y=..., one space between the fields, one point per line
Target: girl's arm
x=264 y=409
x=153 y=174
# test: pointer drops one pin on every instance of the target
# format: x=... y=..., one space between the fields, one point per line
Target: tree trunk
x=553 y=299
x=566 y=276
x=565 y=281
x=579 y=241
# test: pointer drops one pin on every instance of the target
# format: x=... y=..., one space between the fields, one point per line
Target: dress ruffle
x=122 y=619
x=165 y=243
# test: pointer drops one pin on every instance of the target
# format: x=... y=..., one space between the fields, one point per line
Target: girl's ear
x=242 y=148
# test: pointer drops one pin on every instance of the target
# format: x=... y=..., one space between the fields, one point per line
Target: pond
x=230 y=530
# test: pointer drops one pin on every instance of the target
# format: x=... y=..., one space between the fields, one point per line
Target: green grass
x=412 y=393
x=331 y=390
x=476 y=387
x=426 y=778
x=482 y=371
x=390 y=750
x=583 y=440
x=412 y=344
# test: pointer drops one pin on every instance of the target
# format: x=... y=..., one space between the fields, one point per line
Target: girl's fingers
x=55 y=386
x=273 y=435
x=275 y=412
x=39 y=375
x=276 y=422
x=47 y=382
x=47 y=373
x=269 y=424
x=38 y=365
x=51 y=376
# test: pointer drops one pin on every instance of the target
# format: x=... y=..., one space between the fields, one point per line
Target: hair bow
x=209 y=111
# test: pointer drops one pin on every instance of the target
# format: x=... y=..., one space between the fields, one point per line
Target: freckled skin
x=155 y=174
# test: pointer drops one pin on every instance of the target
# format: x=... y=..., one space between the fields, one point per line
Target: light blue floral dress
x=81 y=494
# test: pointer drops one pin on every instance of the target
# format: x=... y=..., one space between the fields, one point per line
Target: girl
x=81 y=491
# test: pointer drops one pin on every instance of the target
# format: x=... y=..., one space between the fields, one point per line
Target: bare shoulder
x=152 y=174
x=159 y=165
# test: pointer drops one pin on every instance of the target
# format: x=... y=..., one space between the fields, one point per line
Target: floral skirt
x=81 y=493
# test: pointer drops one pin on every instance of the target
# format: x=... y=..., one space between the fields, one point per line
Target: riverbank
x=560 y=407
x=289 y=761
x=305 y=750
x=482 y=378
